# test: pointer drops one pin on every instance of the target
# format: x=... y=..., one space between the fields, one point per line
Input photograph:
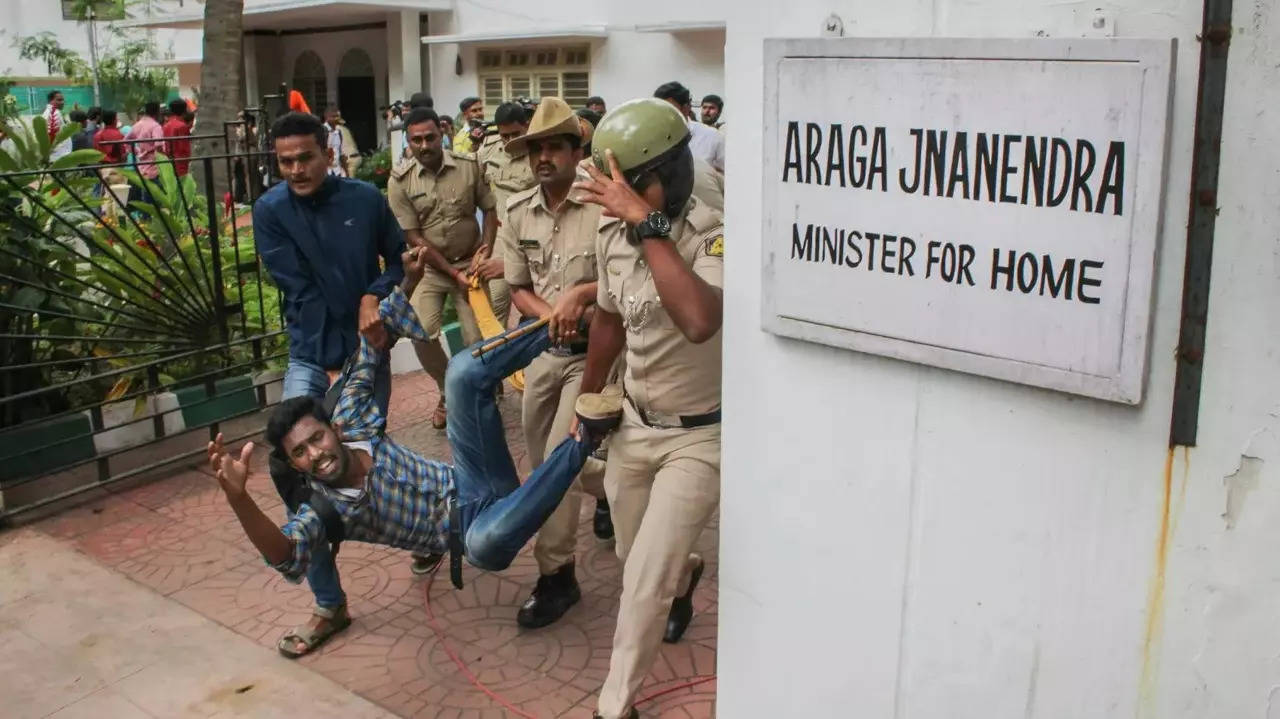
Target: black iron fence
x=135 y=318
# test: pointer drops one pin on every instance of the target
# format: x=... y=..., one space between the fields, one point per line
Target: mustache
x=545 y=166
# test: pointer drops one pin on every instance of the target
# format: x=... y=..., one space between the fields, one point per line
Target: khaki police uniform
x=506 y=175
x=551 y=252
x=442 y=206
x=662 y=479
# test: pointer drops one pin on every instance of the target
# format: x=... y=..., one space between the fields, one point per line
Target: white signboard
x=988 y=206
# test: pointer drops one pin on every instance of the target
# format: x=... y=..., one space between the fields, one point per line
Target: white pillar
x=252 y=94
x=404 y=55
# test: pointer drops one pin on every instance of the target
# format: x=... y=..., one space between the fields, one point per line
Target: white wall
x=902 y=541
x=624 y=66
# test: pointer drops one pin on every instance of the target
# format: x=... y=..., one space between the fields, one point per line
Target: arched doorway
x=310 y=79
x=356 y=98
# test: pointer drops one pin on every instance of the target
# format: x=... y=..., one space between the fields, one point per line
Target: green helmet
x=642 y=134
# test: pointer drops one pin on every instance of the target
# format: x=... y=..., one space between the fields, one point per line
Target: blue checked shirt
x=403 y=502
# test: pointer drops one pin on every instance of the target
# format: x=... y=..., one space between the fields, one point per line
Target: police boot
x=599 y=414
x=602 y=522
x=551 y=598
x=682 y=609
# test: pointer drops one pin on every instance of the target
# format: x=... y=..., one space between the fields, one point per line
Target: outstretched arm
x=232 y=473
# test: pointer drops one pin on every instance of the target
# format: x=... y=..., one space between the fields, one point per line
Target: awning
x=298 y=14
x=579 y=32
x=679 y=27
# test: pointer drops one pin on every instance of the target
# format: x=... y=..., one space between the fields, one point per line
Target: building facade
x=363 y=56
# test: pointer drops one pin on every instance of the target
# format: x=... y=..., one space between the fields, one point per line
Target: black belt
x=658 y=420
x=573 y=350
x=455 y=540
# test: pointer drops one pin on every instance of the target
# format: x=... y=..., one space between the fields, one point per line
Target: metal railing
x=136 y=320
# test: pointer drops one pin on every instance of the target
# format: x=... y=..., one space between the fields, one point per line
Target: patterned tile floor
x=178 y=537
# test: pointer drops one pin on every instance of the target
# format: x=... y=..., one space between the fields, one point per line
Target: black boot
x=602 y=523
x=551 y=598
x=682 y=609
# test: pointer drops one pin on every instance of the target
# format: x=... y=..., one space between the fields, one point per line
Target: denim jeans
x=304 y=379
x=499 y=514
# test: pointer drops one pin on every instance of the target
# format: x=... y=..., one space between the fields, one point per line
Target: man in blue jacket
x=321 y=238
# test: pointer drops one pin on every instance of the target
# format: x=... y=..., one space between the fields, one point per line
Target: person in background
x=705 y=142
x=595 y=103
x=82 y=140
x=95 y=119
x=176 y=132
x=506 y=174
x=323 y=239
x=446 y=130
x=108 y=142
x=337 y=153
x=146 y=138
x=350 y=150
x=712 y=109
x=435 y=199
x=473 y=123
x=54 y=121
x=298 y=103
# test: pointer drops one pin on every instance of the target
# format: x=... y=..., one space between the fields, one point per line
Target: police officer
x=660 y=258
x=434 y=199
x=507 y=174
x=549 y=241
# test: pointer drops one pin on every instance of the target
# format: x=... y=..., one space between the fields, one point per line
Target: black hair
x=178 y=107
x=109 y=117
x=594 y=100
x=292 y=124
x=421 y=99
x=467 y=102
x=714 y=100
x=53 y=94
x=151 y=108
x=420 y=115
x=78 y=116
x=590 y=116
x=95 y=113
x=509 y=112
x=287 y=414
x=674 y=91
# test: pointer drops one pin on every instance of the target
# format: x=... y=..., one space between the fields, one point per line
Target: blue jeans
x=304 y=379
x=499 y=514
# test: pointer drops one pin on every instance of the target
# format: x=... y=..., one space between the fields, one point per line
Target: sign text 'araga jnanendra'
x=989 y=206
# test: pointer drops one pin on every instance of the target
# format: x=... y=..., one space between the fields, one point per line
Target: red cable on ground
x=475 y=681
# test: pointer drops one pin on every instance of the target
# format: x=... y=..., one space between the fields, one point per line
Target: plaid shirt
x=403 y=502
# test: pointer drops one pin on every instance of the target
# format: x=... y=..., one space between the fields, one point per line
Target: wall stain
x=1155 y=592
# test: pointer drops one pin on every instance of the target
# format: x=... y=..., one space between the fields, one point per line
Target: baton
x=513 y=334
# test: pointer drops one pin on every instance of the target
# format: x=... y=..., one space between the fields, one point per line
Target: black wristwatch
x=654 y=226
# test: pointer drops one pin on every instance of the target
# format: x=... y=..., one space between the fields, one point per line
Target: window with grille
x=534 y=73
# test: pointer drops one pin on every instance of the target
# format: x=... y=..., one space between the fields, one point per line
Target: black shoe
x=424 y=563
x=682 y=609
x=602 y=522
x=551 y=598
x=599 y=413
x=635 y=714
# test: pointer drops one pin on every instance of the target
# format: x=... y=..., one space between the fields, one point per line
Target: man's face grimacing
x=554 y=159
x=424 y=140
x=509 y=131
x=710 y=113
x=313 y=447
x=304 y=162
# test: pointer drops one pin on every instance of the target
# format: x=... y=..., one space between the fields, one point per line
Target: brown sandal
x=440 y=417
x=311 y=637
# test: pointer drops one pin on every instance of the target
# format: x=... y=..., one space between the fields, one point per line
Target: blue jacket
x=323 y=252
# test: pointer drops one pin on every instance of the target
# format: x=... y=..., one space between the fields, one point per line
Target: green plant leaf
x=29 y=297
x=66 y=132
x=40 y=129
x=76 y=159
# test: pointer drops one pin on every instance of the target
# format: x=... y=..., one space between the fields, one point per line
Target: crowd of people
x=602 y=230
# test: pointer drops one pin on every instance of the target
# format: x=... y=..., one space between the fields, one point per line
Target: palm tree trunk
x=220 y=85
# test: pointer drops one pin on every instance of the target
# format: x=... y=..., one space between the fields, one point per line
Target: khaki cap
x=553 y=117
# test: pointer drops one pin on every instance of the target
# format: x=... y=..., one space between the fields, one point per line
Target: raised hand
x=232 y=472
x=613 y=193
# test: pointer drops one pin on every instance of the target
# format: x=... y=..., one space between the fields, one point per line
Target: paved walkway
x=177 y=537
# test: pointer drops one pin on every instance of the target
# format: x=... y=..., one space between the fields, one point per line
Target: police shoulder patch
x=715 y=246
